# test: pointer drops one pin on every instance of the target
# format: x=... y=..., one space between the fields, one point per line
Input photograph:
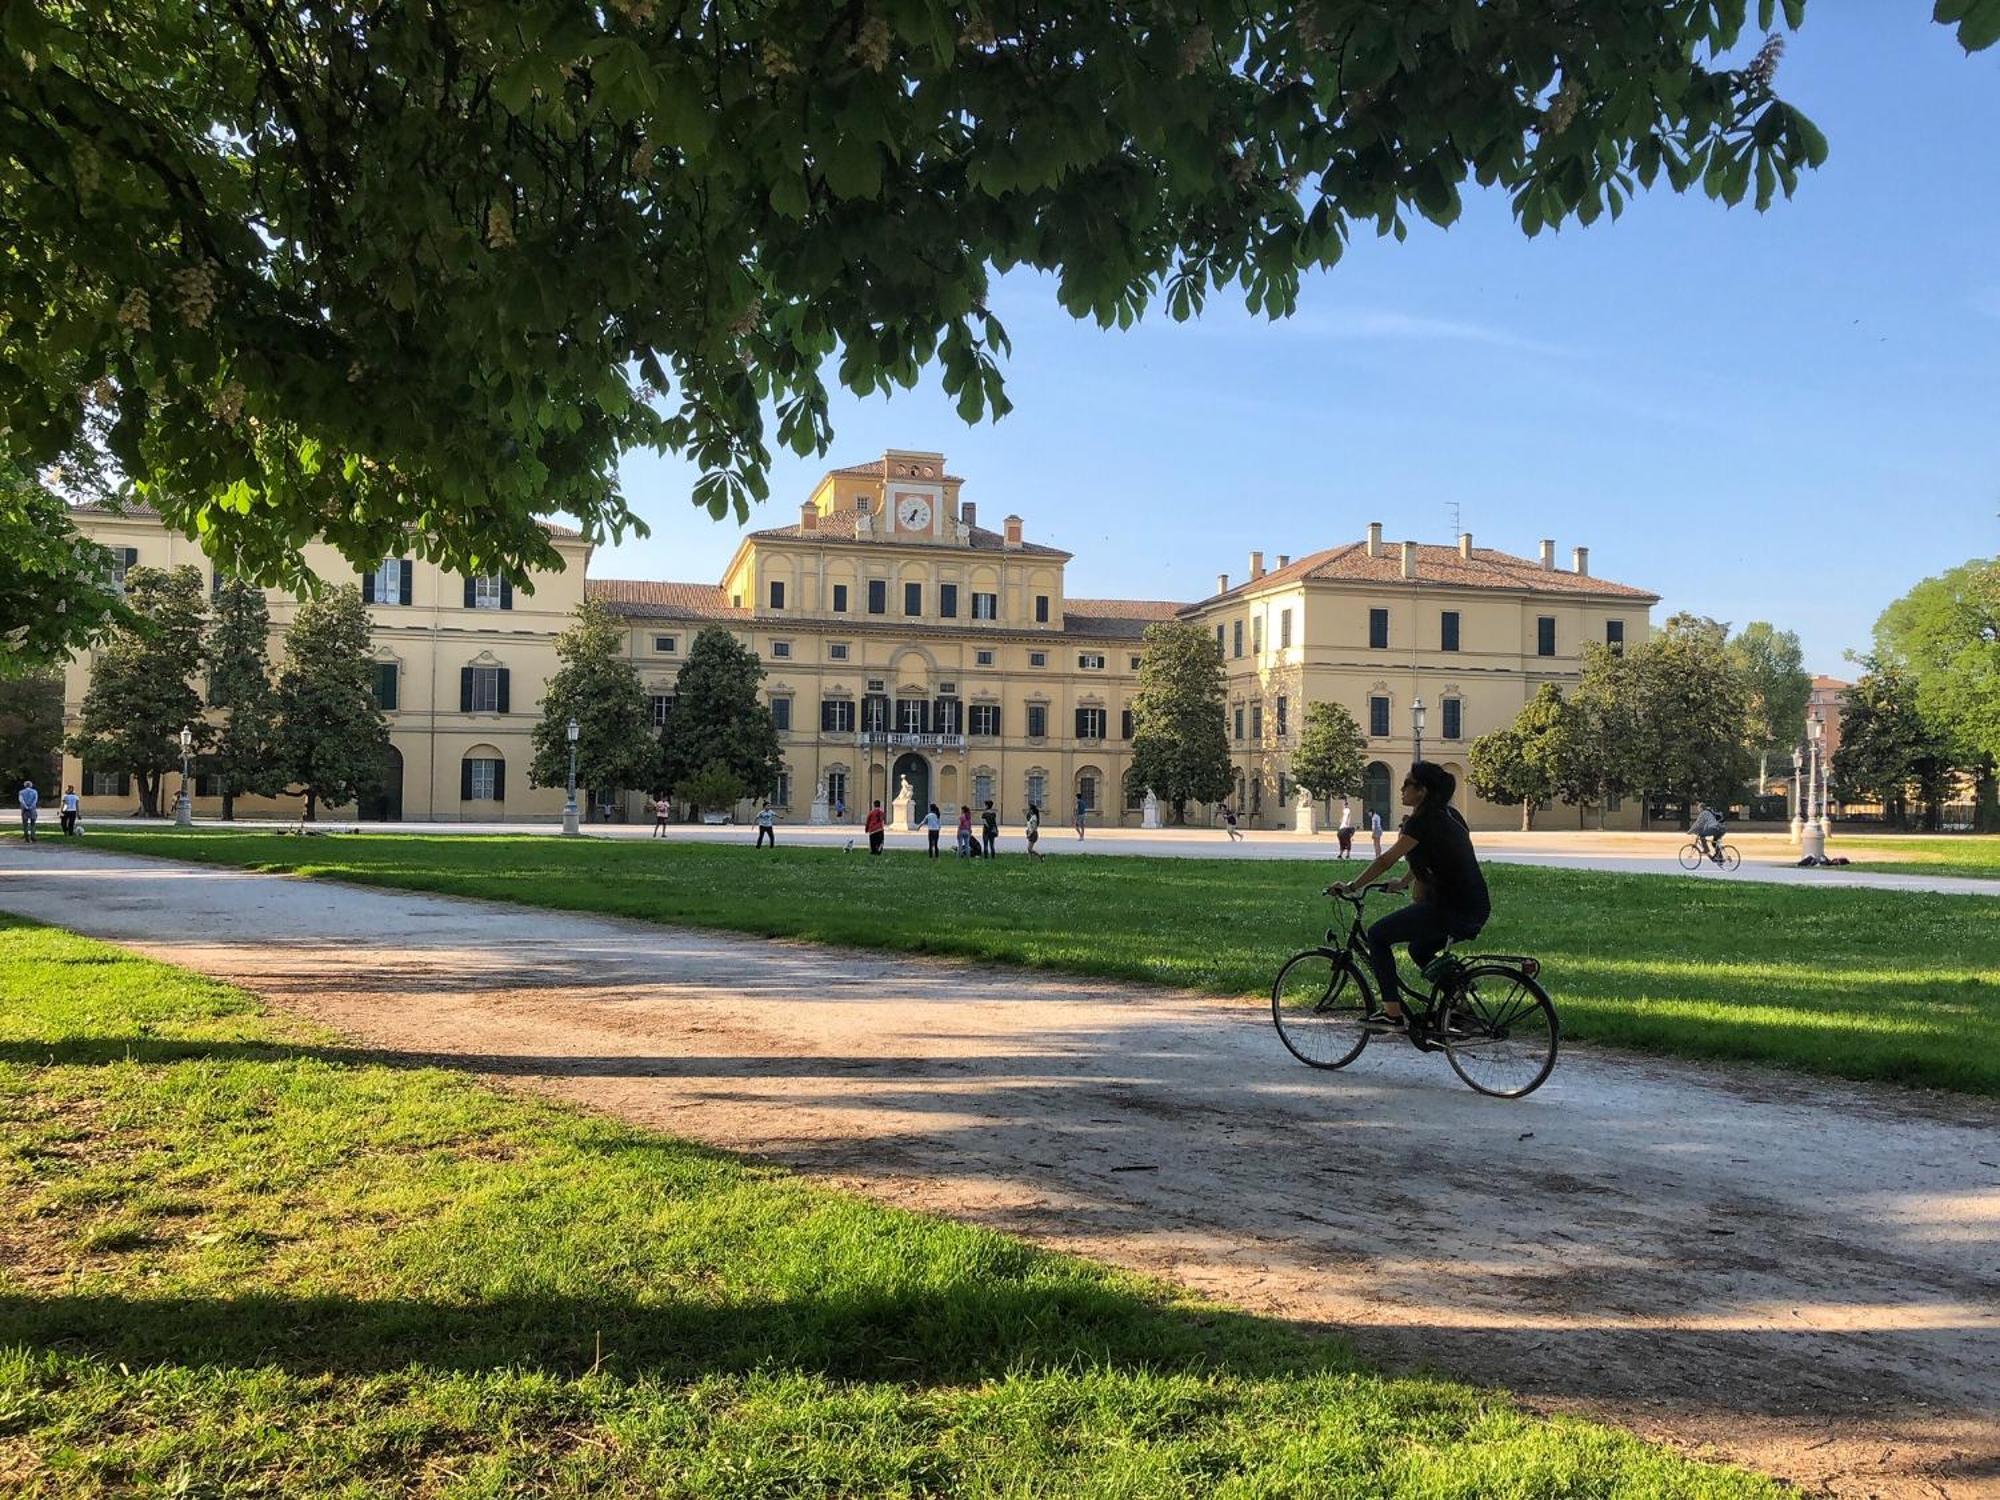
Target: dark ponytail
x=1438 y=783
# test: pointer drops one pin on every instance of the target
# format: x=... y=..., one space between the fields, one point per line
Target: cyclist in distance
x=1706 y=829
x=1450 y=899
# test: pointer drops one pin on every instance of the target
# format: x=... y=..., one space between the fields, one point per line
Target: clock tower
x=914 y=494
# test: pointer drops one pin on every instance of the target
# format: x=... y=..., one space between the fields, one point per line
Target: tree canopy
x=1331 y=749
x=332 y=740
x=243 y=756
x=404 y=276
x=616 y=747
x=1778 y=687
x=720 y=719
x=1180 y=738
x=139 y=697
x=1942 y=642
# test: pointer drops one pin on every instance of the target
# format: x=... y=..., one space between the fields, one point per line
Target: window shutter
x=367 y=588
x=131 y=557
x=465 y=687
x=996 y=719
x=1083 y=723
x=506 y=595
x=504 y=675
x=465 y=780
x=471 y=593
x=1125 y=725
x=500 y=774
x=409 y=577
x=124 y=783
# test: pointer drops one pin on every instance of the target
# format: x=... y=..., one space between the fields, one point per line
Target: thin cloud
x=1376 y=325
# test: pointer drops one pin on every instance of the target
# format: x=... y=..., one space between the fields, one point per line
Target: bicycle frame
x=1356 y=946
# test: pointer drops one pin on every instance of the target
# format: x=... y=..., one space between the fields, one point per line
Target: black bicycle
x=1693 y=857
x=1486 y=1012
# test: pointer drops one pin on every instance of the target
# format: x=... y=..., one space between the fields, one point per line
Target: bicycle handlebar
x=1357 y=897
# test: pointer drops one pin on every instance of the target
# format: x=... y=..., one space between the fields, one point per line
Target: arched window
x=1376 y=790
x=482 y=775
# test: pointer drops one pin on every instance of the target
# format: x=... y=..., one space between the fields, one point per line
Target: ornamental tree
x=140 y=697
x=1328 y=760
x=244 y=754
x=56 y=594
x=615 y=744
x=332 y=739
x=1888 y=750
x=1180 y=742
x=719 y=718
x=371 y=271
x=1778 y=688
x=31 y=731
x=1944 y=636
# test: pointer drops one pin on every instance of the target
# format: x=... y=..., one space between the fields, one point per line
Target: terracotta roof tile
x=879 y=469
x=1115 y=619
x=839 y=528
x=1441 y=567
x=654 y=599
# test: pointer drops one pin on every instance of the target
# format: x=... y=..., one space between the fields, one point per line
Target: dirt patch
x=1798 y=1277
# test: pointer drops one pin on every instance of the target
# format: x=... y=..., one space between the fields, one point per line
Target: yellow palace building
x=904 y=642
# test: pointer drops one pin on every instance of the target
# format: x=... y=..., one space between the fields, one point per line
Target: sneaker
x=1381 y=1020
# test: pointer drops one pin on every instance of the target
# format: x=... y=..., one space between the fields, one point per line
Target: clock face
x=914 y=514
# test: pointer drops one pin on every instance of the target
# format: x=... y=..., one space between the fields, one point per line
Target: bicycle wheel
x=1318 y=1001
x=1690 y=857
x=1501 y=1032
x=1730 y=858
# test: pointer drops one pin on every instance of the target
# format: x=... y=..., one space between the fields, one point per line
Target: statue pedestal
x=903 y=811
x=1150 y=817
x=820 y=813
x=1308 y=820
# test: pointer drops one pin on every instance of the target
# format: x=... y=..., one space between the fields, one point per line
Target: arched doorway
x=1375 y=792
x=918 y=769
x=385 y=803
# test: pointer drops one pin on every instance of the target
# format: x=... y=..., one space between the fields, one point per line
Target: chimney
x=1465 y=545
x=1013 y=533
x=1409 y=559
x=1549 y=554
x=1580 y=561
x=1284 y=559
x=809 y=517
x=968 y=512
x=1374 y=538
x=1256 y=566
x=1222 y=583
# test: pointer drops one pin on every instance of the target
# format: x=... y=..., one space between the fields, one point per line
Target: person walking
x=767 y=827
x=840 y=809
x=965 y=849
x=932 y=823
x=1034 y=831
x=661 y=809
x=1082 y=812
x=1346 y=829
x=1375 y=830
x=989 y=824
x=872 y=826
x=71 y=807
x=1229 y=822
x=30 y=802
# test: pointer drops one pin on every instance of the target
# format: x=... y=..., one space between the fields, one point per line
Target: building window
x=1135 y=663
x=483 y=779
x=911 y=714
x=913 y=599
x=1284 y=718
x=1038 y=787
x=662 y=705
x=1284 y=630
x=1613 y=802
x=1086 y=793
x=1038 y=658
x=947 y=689
x=878 y=596
x=1090 y=661
x=783 y=796
x=666 y=645
x=1090 y=723
x=1239 y=722
x=1448 y=630
x=836 y=715
x=385 y=686
x=777 y=594
x=836 y=788
x=840 y=598
x=1041 y=609
x=947 y=714
x=876 y=684
x=982 y=788
x=1236 y=638
x=1256 y=721
x=780 y=650
x=388 y=584
x=1256 y=635
x=836 y=651
x=107 y=783
x=1378 y=629
x=1125 y=724
x=985 y=719
x=781 y=715
x=1545 y=635
x=1454 y=719
x=985 y=606
x=491 y=592
x=1378 y=717
x=122 y=558
x=982 y=658
x=1614 y=637
x=1038 y=721
x=482 y=690
x=1219 y=640
x=948 y=601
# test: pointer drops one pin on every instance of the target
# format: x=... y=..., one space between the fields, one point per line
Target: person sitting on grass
x=1707 y=830
x=1450 y=898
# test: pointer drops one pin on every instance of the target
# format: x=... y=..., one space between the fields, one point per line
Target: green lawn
x=238 y=1259
x=1853 y=983
x=1973 y=854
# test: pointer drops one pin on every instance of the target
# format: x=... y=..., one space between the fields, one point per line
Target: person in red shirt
x=874 y=827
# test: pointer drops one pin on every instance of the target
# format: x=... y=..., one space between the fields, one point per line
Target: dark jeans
x=992 y=845
x=875 y=842
x=69 y=823
x=767 y=833
x=1425 y=928
x=934 y=838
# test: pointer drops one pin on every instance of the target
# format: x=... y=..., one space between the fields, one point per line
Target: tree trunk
x=149 y=794
x=312 y=805
x=228 y=806
x=1527 y=817
x=1763 y=769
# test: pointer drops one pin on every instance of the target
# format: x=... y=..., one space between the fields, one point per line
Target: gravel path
x=1801 y=1276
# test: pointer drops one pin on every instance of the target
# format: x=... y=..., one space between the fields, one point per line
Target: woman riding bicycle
x=1450 y=899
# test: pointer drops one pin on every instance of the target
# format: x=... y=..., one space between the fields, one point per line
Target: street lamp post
x=1814 y=839
x=570 y=830
x=1417 y=726
x=1798 y=793
x=183 y=806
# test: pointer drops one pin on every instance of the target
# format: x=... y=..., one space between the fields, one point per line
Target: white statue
x=820 y=813
x=904 y=812
x=1152 y=811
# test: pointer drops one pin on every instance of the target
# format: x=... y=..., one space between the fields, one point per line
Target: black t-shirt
x=1443 y=860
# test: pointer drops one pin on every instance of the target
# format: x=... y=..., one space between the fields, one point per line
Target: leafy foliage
x=1888 y=748
x=1778 y=686
x=1944 y=637
x=1328 y=760
x=31 y=731
x=362 y=272
x=332 y=740
x=713 y=788
x=1180 y=740
x=719 y=718
x=244 y=755
x=596 y=686
x=139 y=698
x=1670 y=718
x=1547 y=752
x=56 y=597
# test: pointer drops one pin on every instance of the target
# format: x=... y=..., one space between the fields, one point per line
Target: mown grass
x=1972 y=854
x=237 y=1259
x=1848 y=983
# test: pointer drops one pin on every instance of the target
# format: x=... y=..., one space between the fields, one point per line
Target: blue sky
x=1790 y=416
